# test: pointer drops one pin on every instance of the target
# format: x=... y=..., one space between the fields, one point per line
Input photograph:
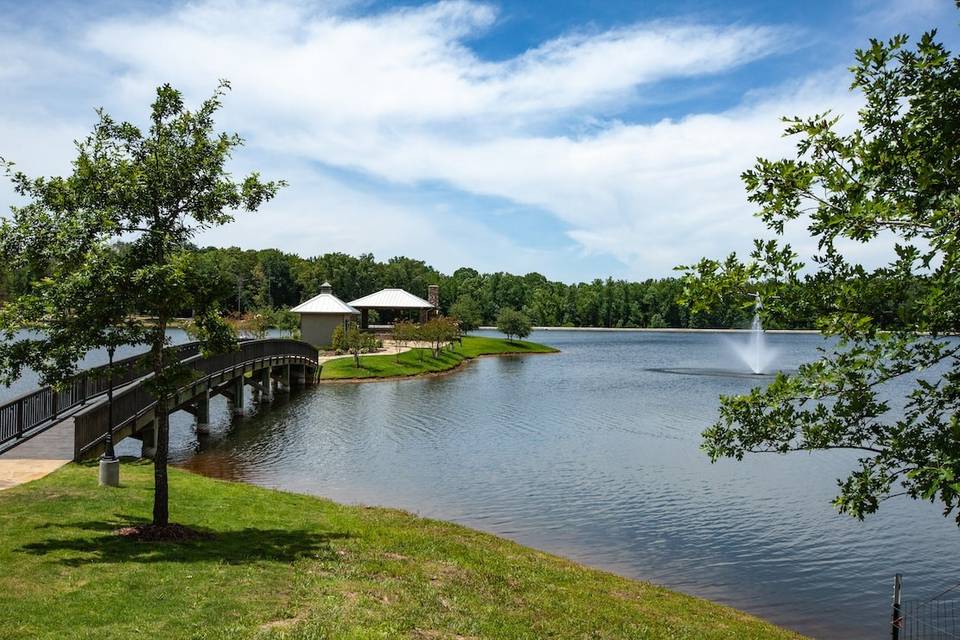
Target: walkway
x=38 y=441
x=42 y=454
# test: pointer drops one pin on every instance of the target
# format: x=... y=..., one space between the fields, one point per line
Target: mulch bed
x=162 y=533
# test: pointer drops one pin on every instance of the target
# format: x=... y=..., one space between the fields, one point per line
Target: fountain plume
x=755 y=353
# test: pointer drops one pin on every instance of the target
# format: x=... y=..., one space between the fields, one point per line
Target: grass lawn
x=282 y=565
x=411 y=364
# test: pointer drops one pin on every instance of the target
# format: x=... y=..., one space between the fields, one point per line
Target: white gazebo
x=395 y=300
x=322 y=314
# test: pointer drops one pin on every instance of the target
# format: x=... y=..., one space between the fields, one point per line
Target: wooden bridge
x=73 y=420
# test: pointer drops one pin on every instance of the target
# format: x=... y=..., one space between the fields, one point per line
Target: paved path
x=42 y=454
x=388 y=349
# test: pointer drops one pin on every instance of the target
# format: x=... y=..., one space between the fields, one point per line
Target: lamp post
x=109 y=464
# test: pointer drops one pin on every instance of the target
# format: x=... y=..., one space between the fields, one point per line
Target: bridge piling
x=202 y=408
x=283 y=382
x=148 y=437
x=299 y=375
x=266 y=382
x=237 y=399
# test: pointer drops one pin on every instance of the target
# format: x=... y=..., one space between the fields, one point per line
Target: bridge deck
x=43 y=453
x=80 y=431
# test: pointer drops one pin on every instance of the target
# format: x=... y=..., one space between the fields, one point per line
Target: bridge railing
x=129 y=404
x=24 y=415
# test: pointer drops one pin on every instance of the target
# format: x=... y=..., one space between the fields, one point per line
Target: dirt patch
x=162 y=533
x=285 y=623
x=434 y=634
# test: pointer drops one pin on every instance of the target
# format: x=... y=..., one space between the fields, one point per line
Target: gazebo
x=322 y=314
x=396 y=300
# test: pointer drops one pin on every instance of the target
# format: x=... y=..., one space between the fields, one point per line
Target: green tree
x=439 y=331
x=895 y=176
x=154 y=190
x=354 y=341
x=513 y=323
x=468 y=313
x=403 y=334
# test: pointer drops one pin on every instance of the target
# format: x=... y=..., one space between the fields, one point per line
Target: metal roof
x=391 y=299
x=325 y=303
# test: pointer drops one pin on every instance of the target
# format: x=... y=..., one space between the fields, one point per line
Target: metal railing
x=932 y=620
x=32 y=412
x=129 y=404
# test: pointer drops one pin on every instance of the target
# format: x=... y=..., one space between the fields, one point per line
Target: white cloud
x=401 y=96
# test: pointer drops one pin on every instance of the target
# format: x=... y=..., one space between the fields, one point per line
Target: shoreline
x=384 y=367
x=659 y=330
x=433 y=374
x=359 y=569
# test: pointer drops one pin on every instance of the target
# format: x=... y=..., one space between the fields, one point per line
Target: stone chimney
x=326 y=288
x=433 y=295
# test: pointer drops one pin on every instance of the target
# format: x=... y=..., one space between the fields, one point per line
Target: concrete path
x=36 y=457
x=387 y=350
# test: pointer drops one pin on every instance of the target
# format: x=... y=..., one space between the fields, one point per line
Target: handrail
x=130 y=403
x=21 y=416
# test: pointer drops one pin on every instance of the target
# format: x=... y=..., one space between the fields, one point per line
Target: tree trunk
x=161 y=496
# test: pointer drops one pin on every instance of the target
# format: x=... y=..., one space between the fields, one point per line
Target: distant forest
x=246 y=280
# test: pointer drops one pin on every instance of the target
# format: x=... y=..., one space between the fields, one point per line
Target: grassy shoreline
x=283 y=565
x=417 y=362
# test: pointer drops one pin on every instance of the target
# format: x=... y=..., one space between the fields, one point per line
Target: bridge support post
x=284 y=381
x=149 y=447
x=237 y=399
x=202 y=406
x=299 y=375
x=266 y=381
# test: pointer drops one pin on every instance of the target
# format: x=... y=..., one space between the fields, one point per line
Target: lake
x=594 y=454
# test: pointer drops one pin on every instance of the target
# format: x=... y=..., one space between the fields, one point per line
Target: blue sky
x=578 y=139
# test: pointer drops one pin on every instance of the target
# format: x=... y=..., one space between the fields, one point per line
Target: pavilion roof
x=391 y=299
x=325 y=303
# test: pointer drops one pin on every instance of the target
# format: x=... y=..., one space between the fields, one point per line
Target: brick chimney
x=433 y=295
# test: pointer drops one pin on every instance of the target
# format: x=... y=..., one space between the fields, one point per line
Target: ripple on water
x=557 y=453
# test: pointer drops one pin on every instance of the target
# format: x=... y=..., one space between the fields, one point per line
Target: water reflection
x=594 y=454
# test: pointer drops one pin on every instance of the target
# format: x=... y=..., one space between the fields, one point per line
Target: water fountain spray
x=755 y=353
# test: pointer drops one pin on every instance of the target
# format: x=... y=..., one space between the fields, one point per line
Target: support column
x=149 y=439
x=266 y=380
x=238 y=396
x=283 y=384
x=202 y=414
x=299 y=373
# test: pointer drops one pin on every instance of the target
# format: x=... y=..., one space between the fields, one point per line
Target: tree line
x=245 y=281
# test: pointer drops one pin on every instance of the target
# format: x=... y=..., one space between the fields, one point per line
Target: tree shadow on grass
x=99 y=544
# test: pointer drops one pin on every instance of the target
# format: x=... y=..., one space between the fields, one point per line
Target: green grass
x=282 y=565
x=420 y=361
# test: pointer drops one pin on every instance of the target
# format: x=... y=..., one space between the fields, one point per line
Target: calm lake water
x=594 y=454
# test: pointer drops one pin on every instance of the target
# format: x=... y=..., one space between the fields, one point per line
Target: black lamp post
x=109 y=453
x=109 y=465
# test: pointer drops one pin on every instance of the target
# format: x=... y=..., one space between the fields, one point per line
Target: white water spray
x=755 y=354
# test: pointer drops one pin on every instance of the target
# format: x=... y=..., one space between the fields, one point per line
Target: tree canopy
x=111 y=241
x=513 y=323
x=893 y=180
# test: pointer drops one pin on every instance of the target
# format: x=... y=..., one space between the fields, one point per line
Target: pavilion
x=321 y=315
x=396 y=300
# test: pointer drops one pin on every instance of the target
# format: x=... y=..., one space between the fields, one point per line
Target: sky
x=573 y=138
